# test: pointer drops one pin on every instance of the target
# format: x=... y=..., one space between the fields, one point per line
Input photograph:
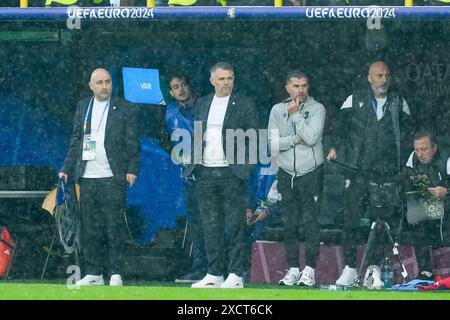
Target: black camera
x=384 y=195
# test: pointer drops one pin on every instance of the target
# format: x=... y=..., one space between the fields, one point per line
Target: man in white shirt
x=222 y=176
x=103 y=157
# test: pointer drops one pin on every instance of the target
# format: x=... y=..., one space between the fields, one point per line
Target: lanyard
x=91 y=103
x=373 y=104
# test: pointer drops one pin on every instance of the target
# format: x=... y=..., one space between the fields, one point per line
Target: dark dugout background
x=45 y=69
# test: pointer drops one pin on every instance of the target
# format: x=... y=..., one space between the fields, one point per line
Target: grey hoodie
x=298 y=159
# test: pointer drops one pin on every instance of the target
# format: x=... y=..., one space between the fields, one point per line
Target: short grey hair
x=296 y=74
x=221 y=65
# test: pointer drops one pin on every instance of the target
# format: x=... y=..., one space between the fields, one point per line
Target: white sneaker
x=116 y=280
x=348 y=276
x=372 y=278
x=209 y=281
x=377 y=283
x=91 y=280
x=366 y=282
x=233 y=282
x=307 y=277
x=292 y=277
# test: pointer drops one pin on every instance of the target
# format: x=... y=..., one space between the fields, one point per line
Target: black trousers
x=222 y=201
x=199 y=262
x=103 y=230
x=300 y=207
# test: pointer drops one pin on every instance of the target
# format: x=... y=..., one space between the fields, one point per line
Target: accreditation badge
x=89 y=145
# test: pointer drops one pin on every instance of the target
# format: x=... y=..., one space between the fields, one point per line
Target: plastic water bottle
x=387 y=273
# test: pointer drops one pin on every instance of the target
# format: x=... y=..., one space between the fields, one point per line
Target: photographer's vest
x=437 y=172
x=376 y=144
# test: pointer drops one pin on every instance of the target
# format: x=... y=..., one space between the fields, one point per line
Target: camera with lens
x=384 y=195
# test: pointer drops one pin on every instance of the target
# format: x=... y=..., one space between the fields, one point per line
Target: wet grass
x=36 y=290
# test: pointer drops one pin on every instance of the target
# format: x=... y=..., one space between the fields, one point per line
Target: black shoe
x=190 y=277
x=423 y=275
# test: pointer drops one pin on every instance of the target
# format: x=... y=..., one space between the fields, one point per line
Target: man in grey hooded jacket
x=295 y=134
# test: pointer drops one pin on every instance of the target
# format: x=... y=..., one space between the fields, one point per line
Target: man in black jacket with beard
x=371 y=136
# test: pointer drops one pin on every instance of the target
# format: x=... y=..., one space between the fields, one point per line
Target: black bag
x=6 y=251
x=423 y=208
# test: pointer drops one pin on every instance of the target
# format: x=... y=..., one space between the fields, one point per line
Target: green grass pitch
x=10 y=290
